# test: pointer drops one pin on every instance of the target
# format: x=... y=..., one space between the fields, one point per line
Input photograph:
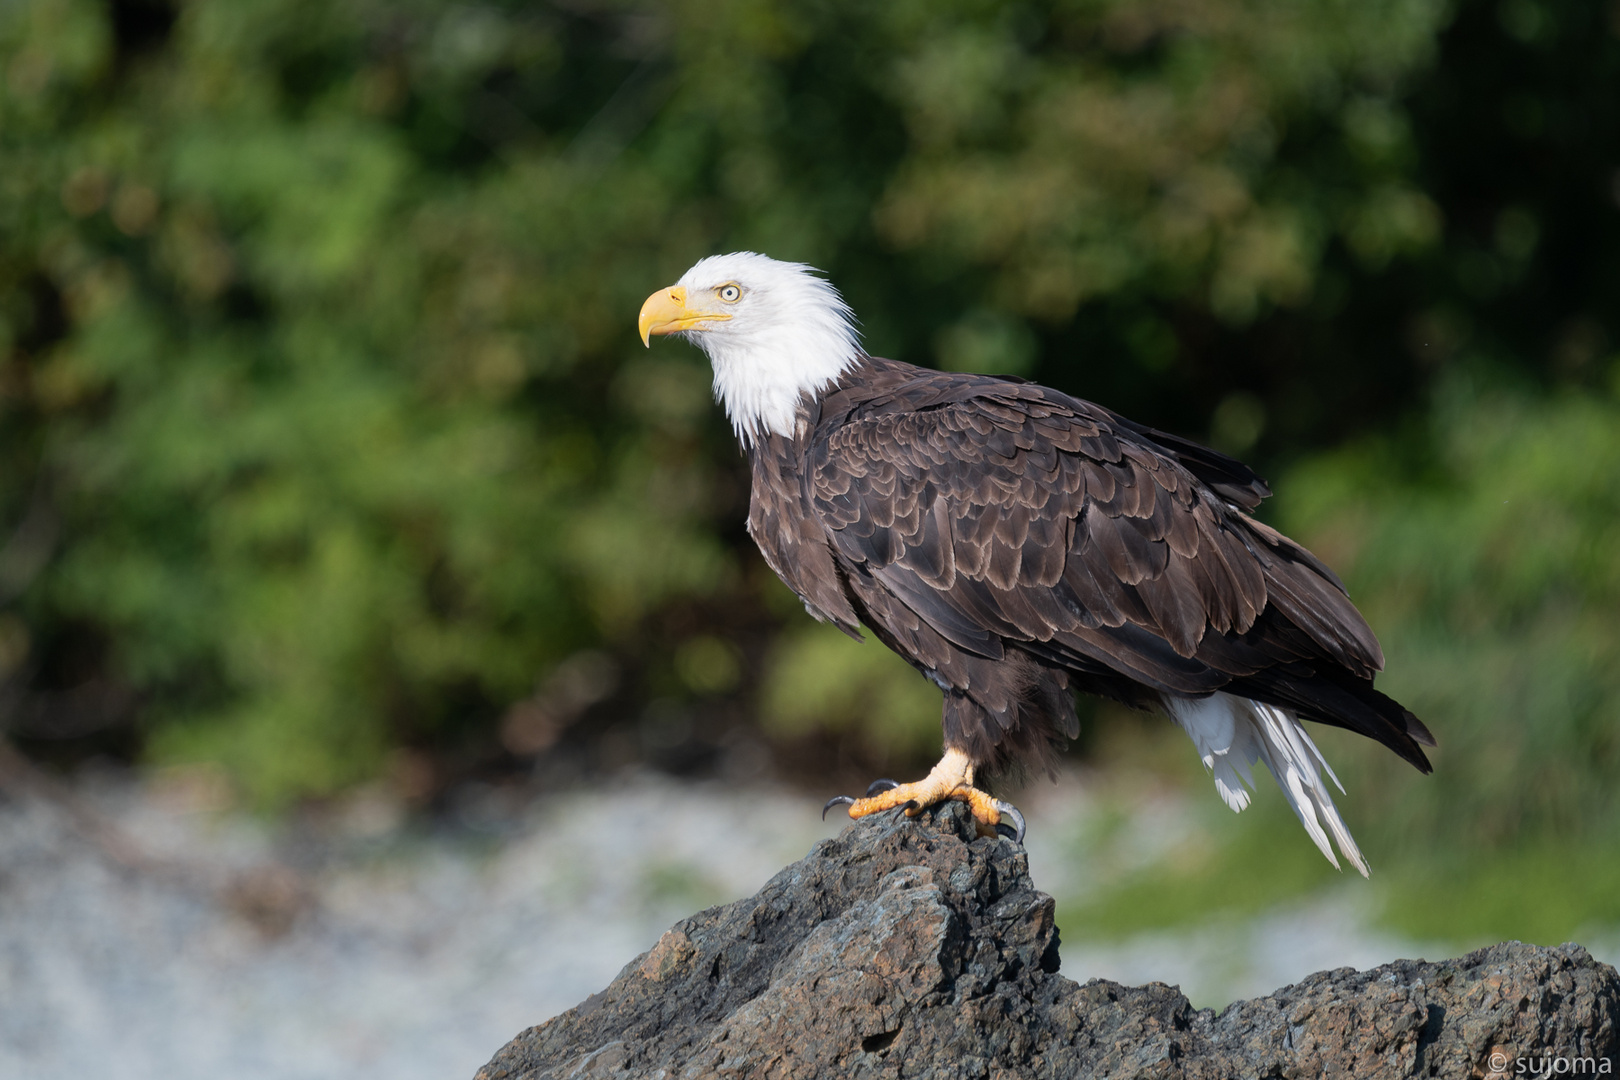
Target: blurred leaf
x=817 y=678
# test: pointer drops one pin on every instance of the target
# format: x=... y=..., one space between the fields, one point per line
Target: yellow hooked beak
x=665 y=312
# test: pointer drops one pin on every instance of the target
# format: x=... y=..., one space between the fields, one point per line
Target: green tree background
x=327 y=450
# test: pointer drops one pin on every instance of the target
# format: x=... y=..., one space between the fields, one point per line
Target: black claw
x=910 y=804
x=877 y=786
x=836 y=800
x=1007 y=809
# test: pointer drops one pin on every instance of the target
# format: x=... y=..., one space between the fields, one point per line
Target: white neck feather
x=792 y=336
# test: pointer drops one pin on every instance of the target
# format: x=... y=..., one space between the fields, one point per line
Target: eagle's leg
x=952 y=778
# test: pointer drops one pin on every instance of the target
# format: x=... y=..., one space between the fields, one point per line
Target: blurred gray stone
x=910 y=948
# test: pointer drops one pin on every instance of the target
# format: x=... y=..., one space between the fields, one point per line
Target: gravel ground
x=391 y=955
x=353 y=945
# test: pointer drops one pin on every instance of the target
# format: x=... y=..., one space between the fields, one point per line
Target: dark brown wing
x=1004 y=512
x=1227 y=477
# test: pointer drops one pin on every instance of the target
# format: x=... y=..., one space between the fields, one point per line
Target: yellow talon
x=952 y=778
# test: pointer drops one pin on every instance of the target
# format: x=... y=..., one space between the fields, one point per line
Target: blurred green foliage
x=324 y=432
x=819 y=680
x=313 y=395
x=1494 y=577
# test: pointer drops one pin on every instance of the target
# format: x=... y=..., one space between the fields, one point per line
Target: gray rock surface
x=910 y=948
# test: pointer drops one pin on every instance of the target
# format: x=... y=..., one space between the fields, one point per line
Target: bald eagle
x=1016 y=545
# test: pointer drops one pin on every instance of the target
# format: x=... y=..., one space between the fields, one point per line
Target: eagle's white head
x=773 y=331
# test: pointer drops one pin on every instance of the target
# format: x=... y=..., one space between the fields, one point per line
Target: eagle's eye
x=730 y=293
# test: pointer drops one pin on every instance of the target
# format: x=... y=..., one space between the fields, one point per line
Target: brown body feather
x=1016 y=544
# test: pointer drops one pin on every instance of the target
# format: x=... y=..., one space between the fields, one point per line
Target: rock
x=910 y=948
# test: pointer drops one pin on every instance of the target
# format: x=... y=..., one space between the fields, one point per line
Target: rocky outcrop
x=910 y=948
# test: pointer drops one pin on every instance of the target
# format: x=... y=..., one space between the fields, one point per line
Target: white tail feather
x=1232 y=733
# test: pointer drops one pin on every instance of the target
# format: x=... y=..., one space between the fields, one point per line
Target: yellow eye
x=730 y=293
